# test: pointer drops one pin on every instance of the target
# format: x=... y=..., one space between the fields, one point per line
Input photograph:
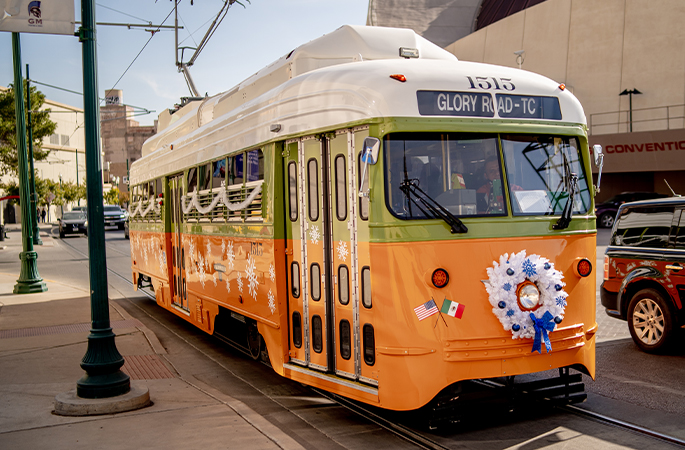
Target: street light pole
x=29 y=279
x=630 y=93
x=32 y=172
x=102 y=361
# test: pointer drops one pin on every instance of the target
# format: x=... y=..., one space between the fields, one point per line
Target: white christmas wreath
x=504 y=279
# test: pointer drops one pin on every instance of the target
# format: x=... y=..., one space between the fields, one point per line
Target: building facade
x=599 y=50
x=122 y=138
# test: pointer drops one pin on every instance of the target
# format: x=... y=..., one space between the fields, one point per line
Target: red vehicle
x=644 y=280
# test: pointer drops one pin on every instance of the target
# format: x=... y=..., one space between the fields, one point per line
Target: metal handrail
x=668 y=118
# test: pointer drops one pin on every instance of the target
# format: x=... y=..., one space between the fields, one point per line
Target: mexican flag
x=453 y=309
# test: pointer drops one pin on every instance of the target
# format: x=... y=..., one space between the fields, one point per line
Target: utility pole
x=29 y=279
x=32 y=174
x=102 y=361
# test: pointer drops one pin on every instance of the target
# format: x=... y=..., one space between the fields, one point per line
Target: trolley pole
x=32 y=172
x=102 y=361
x=29 y=279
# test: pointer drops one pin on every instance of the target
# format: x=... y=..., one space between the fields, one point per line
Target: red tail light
x=606 y=267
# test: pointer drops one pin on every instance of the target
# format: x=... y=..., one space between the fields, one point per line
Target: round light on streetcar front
x=529 y=296
x=440 y=278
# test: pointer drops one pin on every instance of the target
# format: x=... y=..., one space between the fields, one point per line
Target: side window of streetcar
x=235 y=164
x=158 y=187
x=255 y=165
x=366 y=287
x=218 y=173
x=192 y=179
x=313 y=189
x=205 y=177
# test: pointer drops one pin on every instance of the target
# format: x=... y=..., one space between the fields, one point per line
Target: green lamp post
x=29 y=279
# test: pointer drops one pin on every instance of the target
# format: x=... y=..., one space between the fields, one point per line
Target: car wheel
x=650 y=320
x=606 y=220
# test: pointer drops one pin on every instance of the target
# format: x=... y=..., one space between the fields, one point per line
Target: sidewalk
x=43 y=338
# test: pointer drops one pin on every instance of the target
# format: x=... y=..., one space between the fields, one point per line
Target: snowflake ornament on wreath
x=504 y=280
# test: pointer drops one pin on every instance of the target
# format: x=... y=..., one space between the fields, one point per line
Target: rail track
x=420 y=438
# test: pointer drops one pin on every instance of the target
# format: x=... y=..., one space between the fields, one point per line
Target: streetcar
x=377 y=219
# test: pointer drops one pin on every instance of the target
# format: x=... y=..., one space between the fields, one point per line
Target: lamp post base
x=102 y=363
x=29 y=281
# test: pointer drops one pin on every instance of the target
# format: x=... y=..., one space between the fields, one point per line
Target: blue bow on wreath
x=542 y=326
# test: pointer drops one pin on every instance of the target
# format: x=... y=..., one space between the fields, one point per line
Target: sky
x=247 y=40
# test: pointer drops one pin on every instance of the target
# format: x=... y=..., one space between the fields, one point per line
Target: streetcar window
x=459 y=171
x=317 y=334
x=146 y=190
x=158 y=187
x=295 y=279
x=292 y=190
x=235 y=166
x=315 y=272
x=345 y=339
x=340 y=188
x=255 y=165
x=369 y=344
x=297 y=329
x=539 y=172
x=366 y=287
x=343 y=285
x=313 y=189
x=218 y=173
x=192 y=179
x=205 y=177
x=363 y=201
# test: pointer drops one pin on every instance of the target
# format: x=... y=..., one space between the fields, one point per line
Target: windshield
x=73 y=216
x=113 y=209
x=463 y=173
x=539 y=172
x=449 y=168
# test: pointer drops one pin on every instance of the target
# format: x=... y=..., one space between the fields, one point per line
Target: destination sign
x=527 y=107
x=461 y=104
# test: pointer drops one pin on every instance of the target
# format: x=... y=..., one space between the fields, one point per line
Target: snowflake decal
x=507 y=287
x=223 y=247
x=162 y=261
x=145 y=253
x=342 y=250
x=228 y=285
x=214 y=279
x=528 y=268
x=230 y=256
x=240 y=283
x=251 y=276
x=272 y=301
x=272 y=273
x=209 y=249
x=511 y=312
x=561 y=301
x=201 y=270
x=314 y=235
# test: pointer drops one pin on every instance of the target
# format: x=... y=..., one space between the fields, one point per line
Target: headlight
x=529 y=296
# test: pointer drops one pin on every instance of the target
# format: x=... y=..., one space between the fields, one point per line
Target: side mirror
x=370 y=152
x=599 y=162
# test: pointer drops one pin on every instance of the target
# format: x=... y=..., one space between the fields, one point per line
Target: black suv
x=606 y=211
x=114 y=216
x=644 y=276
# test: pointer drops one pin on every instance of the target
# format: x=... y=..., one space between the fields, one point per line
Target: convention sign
x=35 y=16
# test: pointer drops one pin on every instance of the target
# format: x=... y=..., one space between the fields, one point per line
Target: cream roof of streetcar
x=338 y=79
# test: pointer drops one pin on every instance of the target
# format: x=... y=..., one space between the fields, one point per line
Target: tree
x=111 y=197
x=40 y=122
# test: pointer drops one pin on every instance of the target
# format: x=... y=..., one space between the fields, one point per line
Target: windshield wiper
x=567 y=214
x=432 y=209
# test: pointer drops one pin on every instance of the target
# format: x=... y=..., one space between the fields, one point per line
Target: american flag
x=426 y=310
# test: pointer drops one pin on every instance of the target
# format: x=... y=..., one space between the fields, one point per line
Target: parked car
x=114 y=216
x=644 y=280
x=606 y=211
x=73 y=222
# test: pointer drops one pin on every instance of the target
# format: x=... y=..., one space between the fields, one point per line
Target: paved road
x=631 y=385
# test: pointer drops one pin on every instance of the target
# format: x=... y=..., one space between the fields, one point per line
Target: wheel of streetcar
x=649 y=320
x=606 y=220
x=254 y=340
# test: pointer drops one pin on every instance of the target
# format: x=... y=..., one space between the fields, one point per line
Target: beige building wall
x=598 y=49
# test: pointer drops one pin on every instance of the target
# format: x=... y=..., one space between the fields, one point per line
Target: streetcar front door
x=326 y=272
x=308 y=229
x=178 y=278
